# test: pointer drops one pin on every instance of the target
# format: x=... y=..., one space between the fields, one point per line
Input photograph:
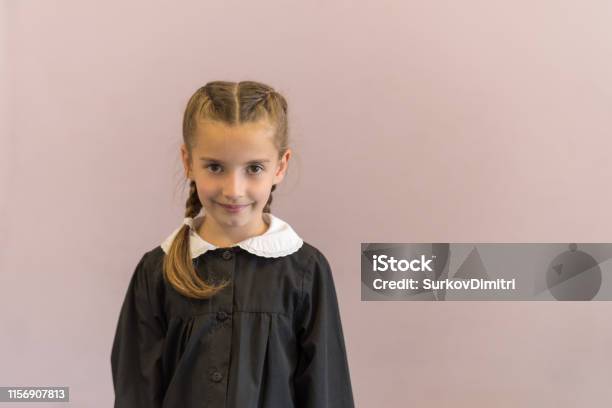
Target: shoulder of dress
x=152 y=262
x=304 y=253
x=154 y=255
x=310 y=258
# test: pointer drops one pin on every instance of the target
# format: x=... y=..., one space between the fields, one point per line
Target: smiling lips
x=233 y=208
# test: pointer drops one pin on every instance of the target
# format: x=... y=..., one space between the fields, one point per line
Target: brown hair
x=233 y=104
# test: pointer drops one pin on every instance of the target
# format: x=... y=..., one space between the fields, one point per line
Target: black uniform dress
x=272 y=338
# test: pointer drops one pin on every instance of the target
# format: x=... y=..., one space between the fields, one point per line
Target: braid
x=193 y=204
x=266 y=99
x=266 y=208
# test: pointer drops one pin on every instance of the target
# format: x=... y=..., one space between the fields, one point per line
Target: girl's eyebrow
x=219 y=161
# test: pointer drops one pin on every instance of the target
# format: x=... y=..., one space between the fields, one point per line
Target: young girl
x=233 y=309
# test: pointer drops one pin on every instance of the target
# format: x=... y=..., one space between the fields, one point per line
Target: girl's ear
x=185 y=160
x=282 y=167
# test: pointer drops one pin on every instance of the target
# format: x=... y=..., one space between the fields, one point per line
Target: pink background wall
x=412 y=121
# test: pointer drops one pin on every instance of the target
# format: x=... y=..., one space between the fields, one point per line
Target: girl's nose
x=233 y=188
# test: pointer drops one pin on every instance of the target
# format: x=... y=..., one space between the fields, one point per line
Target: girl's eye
x=256 y=169
x=212 y=168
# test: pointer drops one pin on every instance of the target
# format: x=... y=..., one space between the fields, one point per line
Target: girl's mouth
x=233 y=208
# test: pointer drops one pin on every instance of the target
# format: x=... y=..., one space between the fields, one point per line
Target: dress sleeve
x=137 y=347
x=322 y=376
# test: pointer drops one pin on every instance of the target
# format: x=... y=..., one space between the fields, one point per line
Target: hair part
x=232 y=103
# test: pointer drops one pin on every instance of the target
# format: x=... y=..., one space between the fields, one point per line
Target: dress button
x=216 y=376
x=221 y=316
x=227 y=255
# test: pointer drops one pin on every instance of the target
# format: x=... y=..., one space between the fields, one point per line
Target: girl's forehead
x=239 y=142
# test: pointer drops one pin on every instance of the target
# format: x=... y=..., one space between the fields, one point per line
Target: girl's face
x=234 y=166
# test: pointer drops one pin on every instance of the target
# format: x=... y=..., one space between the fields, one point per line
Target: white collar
x=279 y=240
